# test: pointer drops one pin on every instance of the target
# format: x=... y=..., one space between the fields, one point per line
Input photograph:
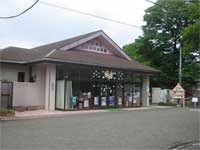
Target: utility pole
x=180 y=65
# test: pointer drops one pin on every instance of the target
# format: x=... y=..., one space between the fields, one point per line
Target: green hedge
x=7 y=112
x=5 y=81
x=166 y=104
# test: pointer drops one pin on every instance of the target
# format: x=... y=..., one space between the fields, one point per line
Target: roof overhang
x=52 y=60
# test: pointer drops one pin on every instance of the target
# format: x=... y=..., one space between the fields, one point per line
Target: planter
x=7 y=113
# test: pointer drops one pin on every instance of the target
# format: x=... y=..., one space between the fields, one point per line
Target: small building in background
x=196 y=89
x=160 y=95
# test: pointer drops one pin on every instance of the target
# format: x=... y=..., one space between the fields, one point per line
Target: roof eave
x=100 y=65
x=79 y=63
x=12 y=61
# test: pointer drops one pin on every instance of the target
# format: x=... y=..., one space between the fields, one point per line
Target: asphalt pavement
x=120 y=130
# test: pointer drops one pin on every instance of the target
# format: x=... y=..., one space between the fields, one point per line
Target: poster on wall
x=80 y=105
x=73 y=101
x=103 y=101
x=119 y=101
x=96 y=101
x=130 y=98
x=112 y=100
x=134 y=101
x=86 y=103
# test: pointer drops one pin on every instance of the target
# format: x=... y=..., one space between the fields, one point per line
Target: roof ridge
x=73 y=37
x=14 y=47
x=51 y=52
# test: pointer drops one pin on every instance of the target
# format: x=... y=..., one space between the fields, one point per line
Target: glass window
x=33 y=74
x=21 y=76
x=60 y=73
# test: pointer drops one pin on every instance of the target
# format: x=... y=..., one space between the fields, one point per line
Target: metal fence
x=6 y=94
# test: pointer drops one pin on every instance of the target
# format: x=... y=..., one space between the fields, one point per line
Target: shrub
x=166 y=104
x=191 y=105
x=5 y=81
x=7 y=112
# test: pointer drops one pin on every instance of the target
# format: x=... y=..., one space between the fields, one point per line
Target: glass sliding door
x=119 y=94
x=60 y=94
x=128 y=94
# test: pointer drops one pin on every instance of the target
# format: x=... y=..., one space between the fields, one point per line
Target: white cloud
x=44 y=24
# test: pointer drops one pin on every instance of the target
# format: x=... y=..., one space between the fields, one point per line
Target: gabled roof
x=22 y=54
x=97 y=59
x=62 y=51
x=63 y=43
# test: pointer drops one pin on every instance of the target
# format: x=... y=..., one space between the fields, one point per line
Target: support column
x=145 y=91
x=50 y=87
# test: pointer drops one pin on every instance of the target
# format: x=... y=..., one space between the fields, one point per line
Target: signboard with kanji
x=178 y=92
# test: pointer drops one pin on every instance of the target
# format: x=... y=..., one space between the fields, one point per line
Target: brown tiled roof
x=60 y=44
x=15 y=54
x=96 y=59
x=52 y=52
x=22 y=54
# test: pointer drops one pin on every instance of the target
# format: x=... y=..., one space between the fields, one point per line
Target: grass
x=114 y=109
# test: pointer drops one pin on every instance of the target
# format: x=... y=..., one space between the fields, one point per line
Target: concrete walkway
x=44 y=113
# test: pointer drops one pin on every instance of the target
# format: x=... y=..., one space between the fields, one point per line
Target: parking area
x=120 y=130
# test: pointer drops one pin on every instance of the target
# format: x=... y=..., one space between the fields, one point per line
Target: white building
x=88 y=71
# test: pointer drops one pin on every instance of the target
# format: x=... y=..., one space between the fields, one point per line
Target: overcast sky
x=44 y=24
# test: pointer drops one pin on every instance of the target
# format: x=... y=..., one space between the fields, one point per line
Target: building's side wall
x=156 y=95
x=10 y=72
x=26 y=95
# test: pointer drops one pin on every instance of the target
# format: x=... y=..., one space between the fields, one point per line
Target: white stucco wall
x=31 y=94
x=145 y=91
x=50 y=87
x=27 y=94
x=10 y=72
x=156 y=95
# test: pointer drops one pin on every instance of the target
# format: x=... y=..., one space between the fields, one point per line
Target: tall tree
x=191 y=34
x=160 y=44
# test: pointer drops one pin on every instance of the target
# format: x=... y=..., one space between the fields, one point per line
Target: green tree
x=160 y=44
x=191 y=34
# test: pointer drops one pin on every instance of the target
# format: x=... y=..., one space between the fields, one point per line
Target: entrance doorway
x=63 y=94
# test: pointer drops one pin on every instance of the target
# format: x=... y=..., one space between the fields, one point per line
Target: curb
x=82 y=112
x=184 y=145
